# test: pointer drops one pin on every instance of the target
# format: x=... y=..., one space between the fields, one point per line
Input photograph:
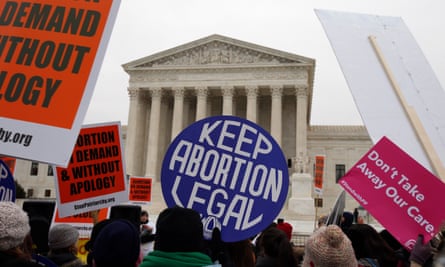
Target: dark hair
x=241 y=253
x=348 y=219
x=390 y=239
x=275 y=244
x=367 y=243
x=179 y=230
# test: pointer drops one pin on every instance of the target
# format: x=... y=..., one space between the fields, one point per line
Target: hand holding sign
x=231 y=171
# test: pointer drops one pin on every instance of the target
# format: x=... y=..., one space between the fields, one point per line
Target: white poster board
x=350 y=36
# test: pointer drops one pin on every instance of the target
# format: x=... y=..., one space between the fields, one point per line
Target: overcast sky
x=143 y=28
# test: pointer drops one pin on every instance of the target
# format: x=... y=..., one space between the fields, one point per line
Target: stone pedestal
x=301 y=201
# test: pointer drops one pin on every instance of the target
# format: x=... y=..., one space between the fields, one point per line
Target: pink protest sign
x=399 y=192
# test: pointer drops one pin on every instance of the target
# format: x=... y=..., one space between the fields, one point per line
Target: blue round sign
x=7 y=185
x=231 y=171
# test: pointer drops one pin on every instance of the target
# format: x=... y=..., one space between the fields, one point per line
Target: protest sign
x=318 y=177
x=51 y=56
x=83 y=222
x=82 y=252
x=395 y=188
x=231 y=171
x=7 y=185
x=140 y=189
x=95 y=177
x=394 y=87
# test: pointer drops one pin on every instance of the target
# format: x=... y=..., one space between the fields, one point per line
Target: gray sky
x=145 y=27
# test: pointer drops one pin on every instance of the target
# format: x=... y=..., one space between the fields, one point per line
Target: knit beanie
x=14 y=225
x=62 y=236
x=117 y=244
x=329 y=247
x=179 y=230
x=286 y=228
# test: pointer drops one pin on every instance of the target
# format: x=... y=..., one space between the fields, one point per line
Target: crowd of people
x=177 y=240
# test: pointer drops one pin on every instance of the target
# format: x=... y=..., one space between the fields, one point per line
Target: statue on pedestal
x=302 y=163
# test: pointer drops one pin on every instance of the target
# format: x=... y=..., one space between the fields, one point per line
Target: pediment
x=217 y=50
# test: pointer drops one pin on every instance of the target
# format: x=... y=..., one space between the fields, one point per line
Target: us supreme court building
x=218 y=75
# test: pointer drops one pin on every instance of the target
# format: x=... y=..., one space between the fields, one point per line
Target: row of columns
x=136 y=132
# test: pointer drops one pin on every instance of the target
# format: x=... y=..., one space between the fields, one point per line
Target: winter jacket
x=65 y=260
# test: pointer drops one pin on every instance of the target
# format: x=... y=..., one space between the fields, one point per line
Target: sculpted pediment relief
x=217 y=53
x=217 y=50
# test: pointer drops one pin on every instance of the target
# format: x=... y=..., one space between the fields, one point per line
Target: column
x=301 y=131
x=301 y=201
x=201 y=102
x=251 y=109
x=178 y=111
x=276 y=113
x=153 y=133
x=227 y=100
x=134 y=149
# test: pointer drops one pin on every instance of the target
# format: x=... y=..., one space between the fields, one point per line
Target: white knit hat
x=14 y=225
x=328 y=247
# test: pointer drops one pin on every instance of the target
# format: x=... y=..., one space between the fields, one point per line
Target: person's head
x=94 y=233
x=322 y=221
x=240 y=253
x=368 y=243
x=390 y=239
x=117 y=244
x=274 y=243
x=329 y=246
x=285 y=227
x=63 y=238
x=14 y=226
x=144 y=216
x=39 y=233
x=346 y=220
x=179 y=230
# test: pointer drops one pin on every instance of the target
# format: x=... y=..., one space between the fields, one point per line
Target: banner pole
x=412 y=115
x=316 y=217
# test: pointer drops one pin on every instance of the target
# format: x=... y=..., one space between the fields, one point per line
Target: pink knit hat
x=329 y=247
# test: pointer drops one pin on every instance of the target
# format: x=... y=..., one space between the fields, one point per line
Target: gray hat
x=62 y=236
x=14 y=225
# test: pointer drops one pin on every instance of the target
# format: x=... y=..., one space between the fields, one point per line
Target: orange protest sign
x=95 y=176
x=140 y=189
x=51 y=52
x=48 y=51
x=318 y=177
x=84 y=217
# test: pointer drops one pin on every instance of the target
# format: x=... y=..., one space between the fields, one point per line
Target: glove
x=421 y=252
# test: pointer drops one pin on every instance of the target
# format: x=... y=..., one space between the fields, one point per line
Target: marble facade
x=217 y=75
